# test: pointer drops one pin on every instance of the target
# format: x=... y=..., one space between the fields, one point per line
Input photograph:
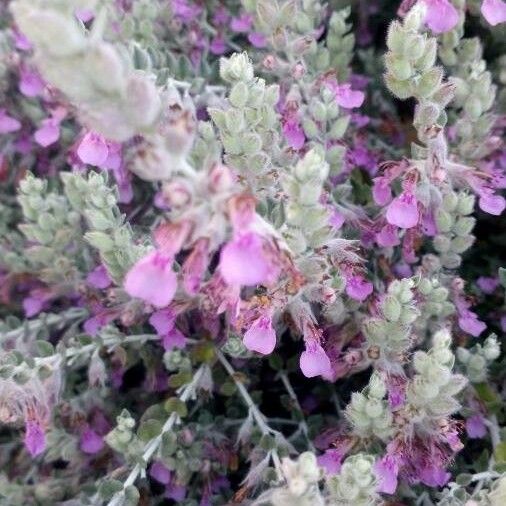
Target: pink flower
x=244 y=262
x=93 y=149
x=358 y=288
x=336 y=219
x=492 y=204
x=257 y=39
x=48 y=133
x=195 y=266
x=163 y=321
x=315 y=362
x=160 y=472
x=218 y=45
x=381 y=191
x=331 y=461
x=403 y=211
x=348 y=98
x=441 y=16
x=30 y=84
x=35 y=439
x=90 y=442
x=387 y=236
x=152 y=280
x=387 y=470
x=99 y=278
x=487 y=284
x=469 y=322
x=85 y=15
x=7 y=123
x=174 y=338
x=475 y=426
x=294 y=134
x=494 y=11
x=261 y=337
x=434 y=476
x=242 y=23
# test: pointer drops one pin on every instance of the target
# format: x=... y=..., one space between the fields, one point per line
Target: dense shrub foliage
x=251 y=252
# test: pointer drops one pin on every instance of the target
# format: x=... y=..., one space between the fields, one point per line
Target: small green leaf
x=180 y=379
x=44 y=348
x=175 y=405
x=149 y=429
x=108 y=488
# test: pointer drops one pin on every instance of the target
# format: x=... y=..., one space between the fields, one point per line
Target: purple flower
x=160 y=472
x=358 y=288
x=387 y=471
x=348 y=98
x=152 y=280
x=174 y=338
x=294 y=134
x=492 y=204
x=331 y=461
x=487 y=285
x=475 y=426
x=242 y=24
x=403 y=211
x=315 y=362
x=257 y=39
x=35 y=439
x=381 y=191
x=469 y=322
x=93 y=149
x=387 y=236
x=99 y=278
x=48 y=133
x=218 y=45
x=90 y=442
x=7 y=123
x=30 y=84
x=244 y=262
x=494 y=11
x=441 y=15
x=163 y=321
x=434 y=476
x=261 y=337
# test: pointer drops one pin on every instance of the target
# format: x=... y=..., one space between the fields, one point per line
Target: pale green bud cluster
x=475 y=95
x=302 y=477
x=433 y=387
x=391 y=332
x=12 y=242
x=123 y=438
x=307 y=220
x=340 y=43
x=476 y=361
x=54 y=228
x=411 y=71
x=355 y=484
x=435 y=302
x=248 y=126
x=368 y=410
x=324 y=122
x=455 y=226
x=108 y=233
x=176 y=360
x=112 y=98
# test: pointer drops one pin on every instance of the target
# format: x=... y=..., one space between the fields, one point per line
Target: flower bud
x=377 y=387
x=238 y=96
x=236 y=68
x=391 y=308
x=466 y=204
